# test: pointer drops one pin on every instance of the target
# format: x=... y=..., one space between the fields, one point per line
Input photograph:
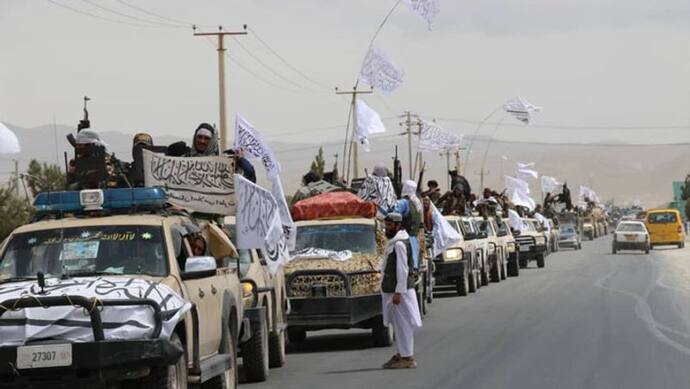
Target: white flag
x=434 y=138
x=251 y=142
x=444 y=234
x=9 y=144
x=542 y=220
x=522 y=199
x=257 y=218
x=520 y=109
x=526 y=174
x=380 y=72
x=514 y=220
x=513 y=184
x=521 y=165
x=549 y=184
x=425 y=9
x=368 y=122
x=380 y=190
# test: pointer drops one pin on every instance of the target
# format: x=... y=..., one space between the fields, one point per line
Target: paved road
x=588 y=320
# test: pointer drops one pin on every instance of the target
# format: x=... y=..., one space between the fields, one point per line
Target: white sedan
x=631 y=235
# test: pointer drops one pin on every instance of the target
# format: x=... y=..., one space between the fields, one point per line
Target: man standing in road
x=400 y=307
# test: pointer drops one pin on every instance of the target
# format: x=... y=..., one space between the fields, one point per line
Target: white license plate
x=524 y=248
x=45 y=355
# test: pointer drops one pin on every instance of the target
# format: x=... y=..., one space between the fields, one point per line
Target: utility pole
x=355 y=154
x=220 y=34
x=16 y=177
x=408 y=131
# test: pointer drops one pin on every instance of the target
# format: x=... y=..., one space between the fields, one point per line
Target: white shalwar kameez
x=404 y=317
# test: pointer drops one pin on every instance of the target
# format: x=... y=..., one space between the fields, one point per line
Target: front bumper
x=93 y=364
x=447 y=272
x=316 y=313
x=630 y=245
x=568 y=243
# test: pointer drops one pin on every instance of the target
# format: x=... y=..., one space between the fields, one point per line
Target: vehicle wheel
x=495 y=272
x=646 y=250
x=613 y=250
x=296 y=335
x=651 y=247
x=255 y=354
x=462 y=284
x=513 y=268
x=382 y=334
x=681 y=245
x=523 y=263
x=169 y=377
x=504 y=269
x=227 y=380
x=485 y=277
x=540 y=261
x=579 y=246
x=472 y=282
x=276 y=349
x=421 y=301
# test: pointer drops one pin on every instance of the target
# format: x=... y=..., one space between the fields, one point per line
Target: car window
x=337 y=237
x=127 y=249
x=631 y=227
x=662 y=217
x=567 y=229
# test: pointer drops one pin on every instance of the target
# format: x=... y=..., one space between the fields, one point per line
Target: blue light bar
x=124 y=198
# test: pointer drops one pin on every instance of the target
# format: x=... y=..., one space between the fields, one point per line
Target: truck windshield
x=567 y=229
x=91 y=250
x=360 y=238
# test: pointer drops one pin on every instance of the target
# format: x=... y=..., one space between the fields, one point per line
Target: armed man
x=399 y=300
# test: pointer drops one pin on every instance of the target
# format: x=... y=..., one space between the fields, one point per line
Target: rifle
x=397 y=174
x=84 y=123
x=421 y=178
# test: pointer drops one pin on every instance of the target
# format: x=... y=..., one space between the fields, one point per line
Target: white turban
x=409 y=188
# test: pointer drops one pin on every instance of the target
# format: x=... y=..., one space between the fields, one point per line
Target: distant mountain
x=620 y=172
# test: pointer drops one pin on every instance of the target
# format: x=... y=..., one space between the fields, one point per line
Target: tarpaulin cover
x=331 y=205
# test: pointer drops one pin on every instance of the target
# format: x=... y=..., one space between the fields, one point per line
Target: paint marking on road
x=644 y=312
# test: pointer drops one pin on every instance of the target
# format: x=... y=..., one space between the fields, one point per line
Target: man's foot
x=394 y=358
x=403 y=363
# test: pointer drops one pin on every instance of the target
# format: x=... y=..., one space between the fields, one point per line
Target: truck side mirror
x=199 y=267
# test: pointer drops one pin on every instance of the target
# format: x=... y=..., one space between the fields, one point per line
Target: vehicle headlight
x=540 y=240
x=453 y=254
x=247 y=293
x=511 y=247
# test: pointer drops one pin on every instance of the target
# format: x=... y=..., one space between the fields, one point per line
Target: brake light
x=680 y=229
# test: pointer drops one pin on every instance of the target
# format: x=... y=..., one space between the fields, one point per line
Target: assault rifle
x=397 y=174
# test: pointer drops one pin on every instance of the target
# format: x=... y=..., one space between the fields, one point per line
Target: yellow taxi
x=665 y=227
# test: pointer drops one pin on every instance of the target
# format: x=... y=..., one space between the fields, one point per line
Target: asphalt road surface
x=588 y=320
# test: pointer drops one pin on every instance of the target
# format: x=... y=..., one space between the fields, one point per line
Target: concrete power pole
x=220 y=34
x=353 y=141
x=408 y=131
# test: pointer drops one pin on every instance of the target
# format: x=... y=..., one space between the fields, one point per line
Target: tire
x=646 y=250
x=255 y=354
x=613 y=250
x=540 y=261
x=523 y=263
x=472 y=281
x=296 y=335
x=485 y=277
x=381 y=334
x=513 y=268
x=227 y=380
x=462 y=283
x=680 y=245
x=495 y=272
x=276 y=349
x=171 y=376
x=421 y=301
x=504 y=268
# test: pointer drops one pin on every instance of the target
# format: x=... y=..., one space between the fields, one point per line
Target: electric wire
x=135 y=18
x=169 y=19
x=103 y=18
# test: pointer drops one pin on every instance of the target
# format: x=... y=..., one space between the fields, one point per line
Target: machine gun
x=84 y=123
x=397 y=174
x=421 y=178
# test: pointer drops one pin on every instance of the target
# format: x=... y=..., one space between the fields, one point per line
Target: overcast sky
x=588 y=63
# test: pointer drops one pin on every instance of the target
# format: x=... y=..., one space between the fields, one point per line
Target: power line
x=274 y=72
x=115 y=12
x=283 y=60
x=103 y=18
x=562 y=126
x=169 y=19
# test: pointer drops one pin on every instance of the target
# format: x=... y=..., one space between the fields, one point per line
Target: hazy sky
x=588 y=63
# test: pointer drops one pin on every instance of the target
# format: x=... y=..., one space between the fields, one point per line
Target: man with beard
x=400 y=308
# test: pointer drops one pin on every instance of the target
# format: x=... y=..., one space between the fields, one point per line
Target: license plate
x=524 y=248
x=630 y=237
x=46 y=355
